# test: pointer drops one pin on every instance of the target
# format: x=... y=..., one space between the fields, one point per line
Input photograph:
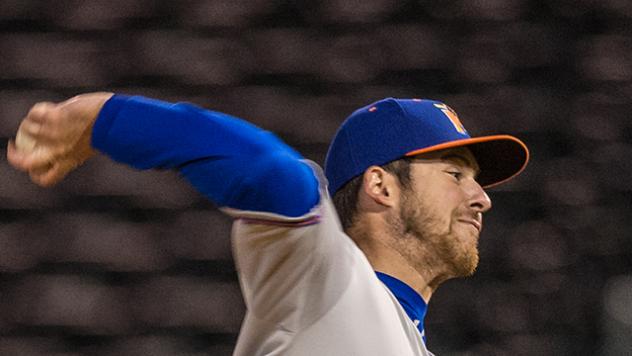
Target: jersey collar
x=410 y=300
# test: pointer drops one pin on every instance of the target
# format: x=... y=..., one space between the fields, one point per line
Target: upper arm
x=277 y=183
x=274 y=182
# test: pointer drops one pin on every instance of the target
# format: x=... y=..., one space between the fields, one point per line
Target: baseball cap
x=390 y=129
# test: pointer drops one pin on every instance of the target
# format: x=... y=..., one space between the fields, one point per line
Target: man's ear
x=380 y=186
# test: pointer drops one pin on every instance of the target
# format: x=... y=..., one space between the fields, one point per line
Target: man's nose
x=479 y=200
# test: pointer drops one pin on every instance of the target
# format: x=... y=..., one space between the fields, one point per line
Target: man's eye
x=455 y=174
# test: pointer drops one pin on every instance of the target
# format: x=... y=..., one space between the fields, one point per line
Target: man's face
x=442 y=210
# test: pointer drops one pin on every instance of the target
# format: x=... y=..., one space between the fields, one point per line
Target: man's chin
x=467 y=266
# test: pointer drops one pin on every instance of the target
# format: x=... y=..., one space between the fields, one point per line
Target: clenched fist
x=54 y=138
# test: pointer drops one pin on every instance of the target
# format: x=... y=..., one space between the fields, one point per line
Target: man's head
x=441 y=210
x=415 y=159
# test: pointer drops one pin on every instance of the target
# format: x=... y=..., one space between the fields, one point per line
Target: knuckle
x=38 y=110
x=30 y=127
x=43 y=111
x=23 y=124
x=52 y=117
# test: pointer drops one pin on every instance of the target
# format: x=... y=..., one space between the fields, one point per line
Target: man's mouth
x=477 y=224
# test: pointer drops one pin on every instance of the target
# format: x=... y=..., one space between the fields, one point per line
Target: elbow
x=278 y=183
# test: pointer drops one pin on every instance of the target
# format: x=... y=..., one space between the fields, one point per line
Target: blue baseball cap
x=390 y=129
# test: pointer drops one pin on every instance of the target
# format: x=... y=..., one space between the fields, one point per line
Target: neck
x=417 y=267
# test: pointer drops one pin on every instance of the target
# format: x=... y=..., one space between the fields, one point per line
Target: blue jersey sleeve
x=232 y=162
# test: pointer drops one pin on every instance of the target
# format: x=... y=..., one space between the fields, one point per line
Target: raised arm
x=232 y=162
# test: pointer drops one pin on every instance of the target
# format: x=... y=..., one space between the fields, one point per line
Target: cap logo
x=453 y=117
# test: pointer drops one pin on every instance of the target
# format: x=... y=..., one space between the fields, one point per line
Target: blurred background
x=120 y=262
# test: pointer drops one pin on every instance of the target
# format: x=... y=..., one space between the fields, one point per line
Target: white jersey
x=309 y=290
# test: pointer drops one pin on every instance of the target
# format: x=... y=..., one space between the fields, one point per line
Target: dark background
x=118 y=262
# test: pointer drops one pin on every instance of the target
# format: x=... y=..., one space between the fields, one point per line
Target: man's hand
x=54 y=139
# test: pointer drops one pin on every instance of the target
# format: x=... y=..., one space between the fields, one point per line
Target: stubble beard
x=420 y=222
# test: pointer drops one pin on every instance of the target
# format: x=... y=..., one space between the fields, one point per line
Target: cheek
x=435 y=208
x=447 y=205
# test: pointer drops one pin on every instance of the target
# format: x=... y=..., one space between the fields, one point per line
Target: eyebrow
x=466 y=162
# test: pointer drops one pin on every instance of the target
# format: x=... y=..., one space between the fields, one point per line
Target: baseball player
x=407 y=184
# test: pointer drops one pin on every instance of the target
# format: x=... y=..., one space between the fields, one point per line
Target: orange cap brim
x=500 y=157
